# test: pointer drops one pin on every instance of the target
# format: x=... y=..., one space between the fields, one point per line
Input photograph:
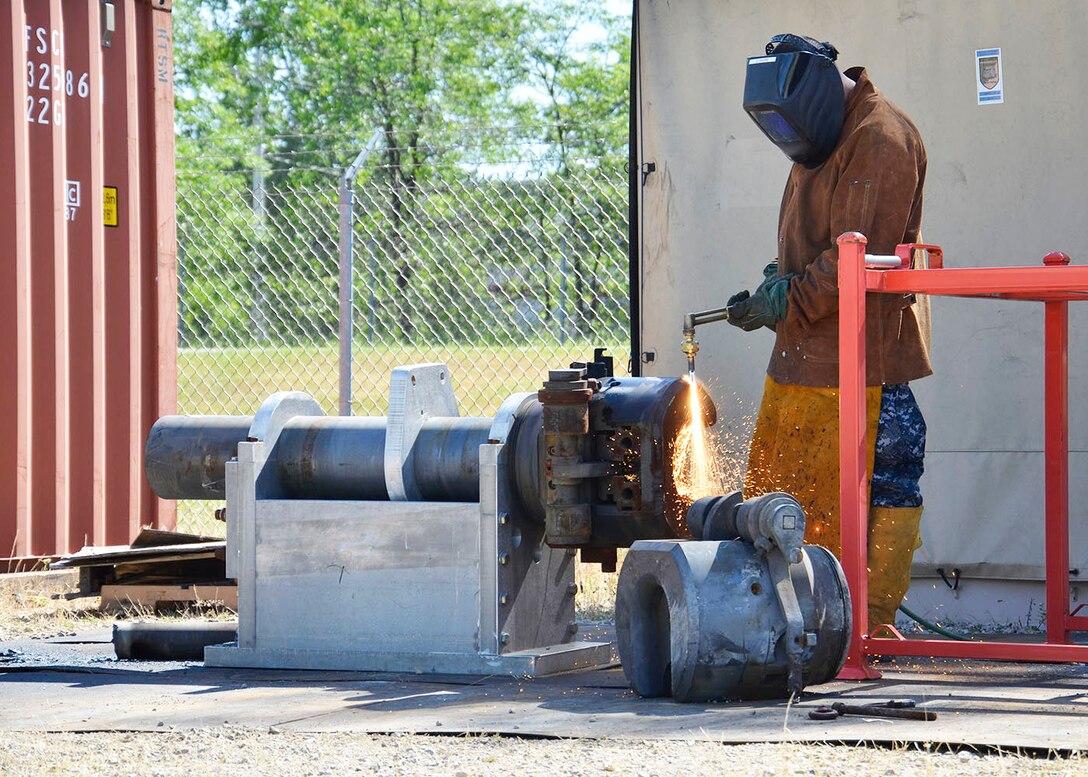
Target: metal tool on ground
x=746 y=612
x=159 y=641
x=904 y=709
x=689 y=345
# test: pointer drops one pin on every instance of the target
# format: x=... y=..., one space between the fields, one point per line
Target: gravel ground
x=228 y=751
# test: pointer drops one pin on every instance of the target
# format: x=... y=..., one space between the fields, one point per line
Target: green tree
x=581 y=102
x=289 y=90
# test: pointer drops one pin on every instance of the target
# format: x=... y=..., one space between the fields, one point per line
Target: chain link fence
x=500 y=267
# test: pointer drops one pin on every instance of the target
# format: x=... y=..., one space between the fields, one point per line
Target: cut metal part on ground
x=75 y=684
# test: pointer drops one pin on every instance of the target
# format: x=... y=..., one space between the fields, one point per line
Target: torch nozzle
x=689 y=345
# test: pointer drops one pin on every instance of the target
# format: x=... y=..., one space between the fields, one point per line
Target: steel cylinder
x=332 y=457
x=158 y=641
x=700 y=621
x=344 y=458
x=316 y=457
x=446 y=458
x=185 y=456
x=591 y=464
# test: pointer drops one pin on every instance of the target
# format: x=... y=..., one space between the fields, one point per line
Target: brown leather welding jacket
x=871 y=183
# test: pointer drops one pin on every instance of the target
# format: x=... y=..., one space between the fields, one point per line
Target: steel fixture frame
x=1055 y=285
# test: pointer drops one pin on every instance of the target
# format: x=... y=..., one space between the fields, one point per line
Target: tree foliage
x=283 y=93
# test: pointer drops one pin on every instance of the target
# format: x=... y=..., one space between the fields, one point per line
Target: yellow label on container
x=109 y=206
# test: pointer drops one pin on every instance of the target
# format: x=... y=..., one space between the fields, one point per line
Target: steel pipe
x=317 y=457
x=157 y=641
x=332 y=457
x=185 y=455
x=446 y=457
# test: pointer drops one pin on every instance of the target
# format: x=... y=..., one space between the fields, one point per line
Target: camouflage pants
x=900 y=449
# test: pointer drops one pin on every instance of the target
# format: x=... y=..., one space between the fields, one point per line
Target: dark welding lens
x=775 y=126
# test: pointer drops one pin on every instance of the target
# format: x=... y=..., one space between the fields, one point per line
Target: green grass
x=235 y=381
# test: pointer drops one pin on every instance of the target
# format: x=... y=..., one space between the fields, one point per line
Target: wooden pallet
x=120 y=597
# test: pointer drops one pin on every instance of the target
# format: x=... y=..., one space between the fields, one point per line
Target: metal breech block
x=747 y=612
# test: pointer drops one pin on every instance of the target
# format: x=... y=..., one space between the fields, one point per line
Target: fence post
x=347 y=301
x=372 y=302
x=564 y=268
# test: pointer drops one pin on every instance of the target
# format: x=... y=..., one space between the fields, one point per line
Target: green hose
x=931 y=626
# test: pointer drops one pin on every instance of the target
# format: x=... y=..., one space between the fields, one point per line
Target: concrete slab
x=75 y=684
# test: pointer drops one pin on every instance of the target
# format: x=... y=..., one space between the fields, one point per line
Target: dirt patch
x=34 y=604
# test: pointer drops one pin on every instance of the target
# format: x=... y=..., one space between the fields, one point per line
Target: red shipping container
x=88 y=308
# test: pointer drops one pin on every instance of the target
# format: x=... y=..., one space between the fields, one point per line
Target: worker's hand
x=766 y=306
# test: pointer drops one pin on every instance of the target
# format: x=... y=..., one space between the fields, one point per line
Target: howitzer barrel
x=317 y=457
x=604 y=481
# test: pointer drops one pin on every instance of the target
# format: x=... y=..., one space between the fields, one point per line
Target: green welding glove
x=766 y=306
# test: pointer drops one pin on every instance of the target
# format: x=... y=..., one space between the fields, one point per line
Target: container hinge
x=108 y=22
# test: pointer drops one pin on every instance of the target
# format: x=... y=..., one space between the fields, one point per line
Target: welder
x=859 y=165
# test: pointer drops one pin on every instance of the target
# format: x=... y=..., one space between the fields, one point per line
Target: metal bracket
x=795 y=622
x=647 y=168
x=277 y=410
x=107 y=22
x=416 y=393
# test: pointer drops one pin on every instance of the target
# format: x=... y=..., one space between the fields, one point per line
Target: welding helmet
x=795 y=94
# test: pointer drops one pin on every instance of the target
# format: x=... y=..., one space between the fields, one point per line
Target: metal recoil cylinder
x=322 y=457
x=185 y=456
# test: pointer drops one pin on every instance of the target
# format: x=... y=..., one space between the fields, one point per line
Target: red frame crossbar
x=1055 y=284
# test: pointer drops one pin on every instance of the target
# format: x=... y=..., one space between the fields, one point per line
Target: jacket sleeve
x=877 y=194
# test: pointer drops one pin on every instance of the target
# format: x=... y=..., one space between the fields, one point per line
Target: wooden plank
x=121 y=597
x=124 y=554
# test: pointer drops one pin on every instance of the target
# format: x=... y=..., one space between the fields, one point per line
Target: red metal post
x=853 y=493
x=15 y=496
x=1056 y=404
x=163 y=361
